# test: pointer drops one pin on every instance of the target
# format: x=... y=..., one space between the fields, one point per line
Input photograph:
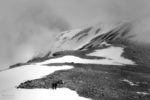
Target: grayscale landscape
x=75 y=50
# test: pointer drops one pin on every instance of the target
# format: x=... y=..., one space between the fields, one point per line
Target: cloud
x=27 y=27
x=136 y=12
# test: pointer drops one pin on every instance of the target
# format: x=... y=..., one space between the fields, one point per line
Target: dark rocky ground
x=103 y=82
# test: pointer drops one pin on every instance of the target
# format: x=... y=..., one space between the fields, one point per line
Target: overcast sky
x=26 y=23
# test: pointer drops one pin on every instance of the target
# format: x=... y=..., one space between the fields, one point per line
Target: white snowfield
x=13 y=77
x=112 y=54
x=41 y=94
x=67 y=42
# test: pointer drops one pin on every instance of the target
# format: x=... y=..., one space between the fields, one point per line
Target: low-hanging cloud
x=27 y=27
x=135 y=12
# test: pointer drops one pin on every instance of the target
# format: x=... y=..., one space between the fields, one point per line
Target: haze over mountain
x=75 y=49
x=26 y=23
x=93 y=63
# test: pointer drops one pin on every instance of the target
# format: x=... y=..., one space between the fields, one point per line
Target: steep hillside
x=94 y=63
x=76 y=39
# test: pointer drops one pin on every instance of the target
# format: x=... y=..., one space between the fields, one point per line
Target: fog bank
x=29 y=27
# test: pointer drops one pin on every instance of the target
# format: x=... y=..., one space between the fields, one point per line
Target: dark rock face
x=103 y=82
x=80 y=34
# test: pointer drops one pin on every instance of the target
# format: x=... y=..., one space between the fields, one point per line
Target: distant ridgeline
x=105 y=65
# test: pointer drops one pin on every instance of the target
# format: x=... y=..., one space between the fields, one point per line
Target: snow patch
x=13 y=77
x=113 y=53
x=143 y=93
x=75 y=59
x=41 y=94
x=129 y=82
x=105 y=44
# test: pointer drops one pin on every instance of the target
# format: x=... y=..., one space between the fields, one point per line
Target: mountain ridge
x=101 y=65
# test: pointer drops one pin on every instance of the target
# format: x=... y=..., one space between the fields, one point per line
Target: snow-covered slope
x=75 y=39
x=10 y=79
x=95 y=63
